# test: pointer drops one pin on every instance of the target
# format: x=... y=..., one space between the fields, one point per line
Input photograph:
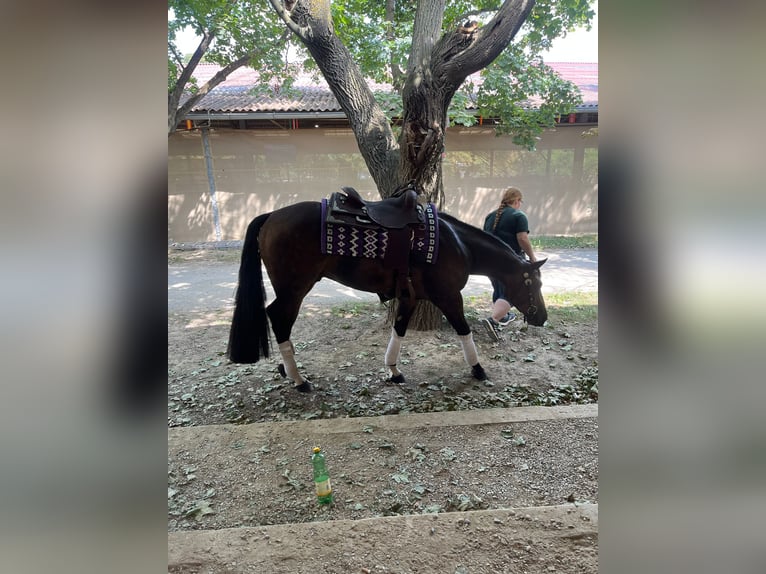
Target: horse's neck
x=488 y=255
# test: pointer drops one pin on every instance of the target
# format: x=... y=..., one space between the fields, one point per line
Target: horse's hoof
x=397 y=379
x=304 y=387
x=478 y=372
x=281 y=369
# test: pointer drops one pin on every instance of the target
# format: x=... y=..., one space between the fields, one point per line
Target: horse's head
x=524 y=289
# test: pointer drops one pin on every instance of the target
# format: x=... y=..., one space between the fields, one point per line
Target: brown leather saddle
x=399 y=214
x=395 y=212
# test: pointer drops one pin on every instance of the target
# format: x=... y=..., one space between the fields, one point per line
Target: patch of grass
x=570 y=298
x=572 y=306
x=580 y=306
x=589 y=241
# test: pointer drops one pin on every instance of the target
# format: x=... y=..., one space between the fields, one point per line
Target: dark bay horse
x=287 y=240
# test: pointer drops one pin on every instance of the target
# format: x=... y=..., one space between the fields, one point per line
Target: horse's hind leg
x=283 y=312
x=403 y=313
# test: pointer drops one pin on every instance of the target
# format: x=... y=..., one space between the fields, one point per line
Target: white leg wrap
x=392 y=352
x=288 y=356
x=469 y=349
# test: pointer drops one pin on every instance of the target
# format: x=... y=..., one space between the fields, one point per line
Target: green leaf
x=400 y=478
x=448 y=454
x=200 y=509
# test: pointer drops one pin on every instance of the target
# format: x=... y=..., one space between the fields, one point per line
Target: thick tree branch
x=174 y=97
x=219 y=77
x=176 y=55
x=397 y=74
x=486 y=43
x=303 y=32
x=183 y=79
x=428 y=22
x=371 y=127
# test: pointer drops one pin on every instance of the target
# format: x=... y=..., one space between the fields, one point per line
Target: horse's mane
x=480 y=234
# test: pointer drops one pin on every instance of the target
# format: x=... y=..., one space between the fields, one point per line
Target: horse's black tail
x=249 y=334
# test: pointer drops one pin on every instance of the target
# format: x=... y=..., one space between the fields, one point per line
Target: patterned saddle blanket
x=373 y=241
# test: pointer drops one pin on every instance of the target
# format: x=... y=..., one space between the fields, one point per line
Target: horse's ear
x=539 y=263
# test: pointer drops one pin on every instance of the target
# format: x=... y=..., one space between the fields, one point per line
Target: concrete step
x=387 y=422
x=540 y=539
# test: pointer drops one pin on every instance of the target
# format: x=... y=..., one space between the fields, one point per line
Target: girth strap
x=398 y=258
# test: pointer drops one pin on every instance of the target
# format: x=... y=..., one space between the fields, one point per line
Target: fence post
x=211 y=182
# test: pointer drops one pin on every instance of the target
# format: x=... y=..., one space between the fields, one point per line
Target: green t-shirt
x=512 y=221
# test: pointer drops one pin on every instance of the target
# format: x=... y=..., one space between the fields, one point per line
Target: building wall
x=255 y=171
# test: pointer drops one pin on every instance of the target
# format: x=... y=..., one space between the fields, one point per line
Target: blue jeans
x=497 y=287
x=497 y=290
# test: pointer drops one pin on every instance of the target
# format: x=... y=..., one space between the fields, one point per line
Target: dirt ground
x=340 y=349
x=267 y=480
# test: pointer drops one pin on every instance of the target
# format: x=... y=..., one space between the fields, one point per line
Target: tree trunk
x=435 y=71
x=312 y=23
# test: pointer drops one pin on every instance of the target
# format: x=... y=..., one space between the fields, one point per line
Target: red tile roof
x=312 y=94
x=583 y=75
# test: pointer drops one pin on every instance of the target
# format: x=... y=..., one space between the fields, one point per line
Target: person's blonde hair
x=509 y=196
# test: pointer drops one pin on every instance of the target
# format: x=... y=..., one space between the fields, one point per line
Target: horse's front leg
x=452 y=307
x=403 y=314
x=471 y=356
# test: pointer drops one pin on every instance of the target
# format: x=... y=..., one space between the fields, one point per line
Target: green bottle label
x=323 y=487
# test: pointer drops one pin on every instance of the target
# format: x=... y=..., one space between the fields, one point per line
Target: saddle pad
x=372 y=242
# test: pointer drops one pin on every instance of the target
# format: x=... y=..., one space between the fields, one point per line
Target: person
x=511 y=225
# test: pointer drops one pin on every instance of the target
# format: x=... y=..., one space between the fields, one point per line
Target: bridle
x=532 y=310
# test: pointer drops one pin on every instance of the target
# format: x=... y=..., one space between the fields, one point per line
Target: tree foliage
x=378 y=36
x=232 y=33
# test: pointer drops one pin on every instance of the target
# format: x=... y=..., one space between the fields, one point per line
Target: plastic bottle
x=321 y=477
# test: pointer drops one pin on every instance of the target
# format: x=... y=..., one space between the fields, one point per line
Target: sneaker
x=491 y=327
x=509 y=317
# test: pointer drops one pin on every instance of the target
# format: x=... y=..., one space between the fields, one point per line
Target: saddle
x=396 y=212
